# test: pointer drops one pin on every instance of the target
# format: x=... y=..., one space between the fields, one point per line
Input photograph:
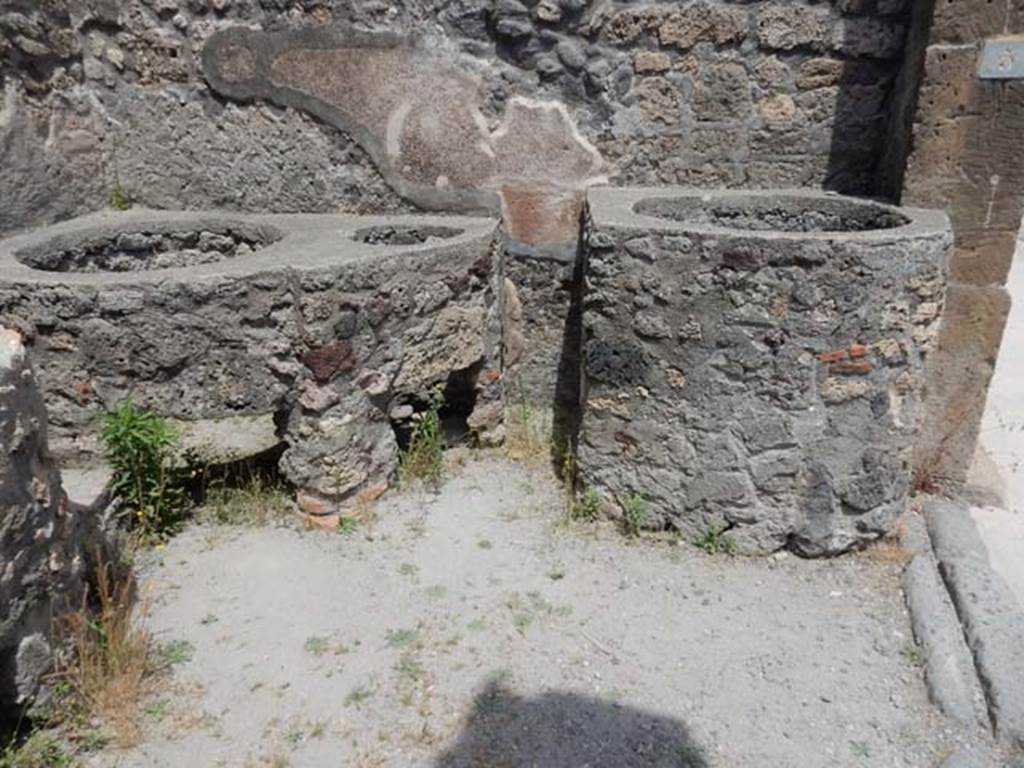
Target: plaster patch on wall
x=421 y=122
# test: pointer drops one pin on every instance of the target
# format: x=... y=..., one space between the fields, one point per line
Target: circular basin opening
x=147 y=248
x=402 y=234
x=778 y=214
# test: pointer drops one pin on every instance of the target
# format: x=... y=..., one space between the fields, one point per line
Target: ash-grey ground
x=471 y=628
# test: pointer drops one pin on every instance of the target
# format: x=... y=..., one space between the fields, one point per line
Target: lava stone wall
x=101 y=94
x=765 y=383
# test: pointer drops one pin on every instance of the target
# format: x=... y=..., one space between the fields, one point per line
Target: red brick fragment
x=858 y=351
x=834 y=356
x=329 y=360
x=852 y=369
x=83 y=392
x=313 y=506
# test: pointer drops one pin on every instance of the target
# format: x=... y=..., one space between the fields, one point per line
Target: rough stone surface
x=992 y=618
x=101 y=94
x=754 y=363
x=949 y=667
x=540 y=334
x=42 y=560
x=324 y=327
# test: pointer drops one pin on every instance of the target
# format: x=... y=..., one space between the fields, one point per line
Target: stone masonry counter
x=328 y=323
x=753 y=360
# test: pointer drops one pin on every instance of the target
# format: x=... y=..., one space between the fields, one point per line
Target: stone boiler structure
x=330 y=325
x=754 y=361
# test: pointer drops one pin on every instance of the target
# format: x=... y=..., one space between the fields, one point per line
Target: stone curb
x=949 y=667
x=992 y=619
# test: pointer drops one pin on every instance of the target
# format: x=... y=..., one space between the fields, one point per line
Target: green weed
x=157 y=710
x=119 y=199
x=526 y=611
x=716 y=541
x=409 y=668
x=173 y=652
x=634 y=514
x=141 y=448
x=588 y=506
x=914 y=654
x=42 y=749
x=317 y=645
x=347 y=526
x=424 y=458
x=402 y=638
x=860 y=748
x=357 y=696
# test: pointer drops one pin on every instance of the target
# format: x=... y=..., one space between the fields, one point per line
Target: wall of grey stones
x=99 y=93
x=42 y=540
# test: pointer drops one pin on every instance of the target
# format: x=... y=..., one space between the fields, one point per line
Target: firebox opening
x=459 y=399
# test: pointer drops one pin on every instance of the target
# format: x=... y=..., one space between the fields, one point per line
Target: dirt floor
x=473 y=627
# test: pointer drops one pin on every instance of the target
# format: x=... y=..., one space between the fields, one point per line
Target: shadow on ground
x=564 y=730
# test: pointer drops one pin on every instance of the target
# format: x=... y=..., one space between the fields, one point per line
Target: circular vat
x=145 y=248
x=401 y=234
x=782 y=213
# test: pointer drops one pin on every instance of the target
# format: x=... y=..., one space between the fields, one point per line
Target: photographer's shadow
x=565 y=730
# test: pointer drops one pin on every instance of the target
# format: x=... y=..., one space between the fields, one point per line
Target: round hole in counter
x=783 y=213
x=404 y=234
x=144 y=248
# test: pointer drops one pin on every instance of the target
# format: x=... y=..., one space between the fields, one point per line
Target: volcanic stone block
x=41 y=541
x=752 y=361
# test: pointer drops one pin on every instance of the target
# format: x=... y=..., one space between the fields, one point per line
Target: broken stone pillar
x=42 y=561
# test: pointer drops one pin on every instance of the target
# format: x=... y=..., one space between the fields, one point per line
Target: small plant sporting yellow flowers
x=141 y=447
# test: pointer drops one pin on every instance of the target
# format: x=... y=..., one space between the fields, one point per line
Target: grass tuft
x=588 y=506
x=255 y=501
x=716 y=541
x=424 y=458
x=527 y=433
x=119 y=199
x=109 y=661
x=634 y=514
x=42 y=749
